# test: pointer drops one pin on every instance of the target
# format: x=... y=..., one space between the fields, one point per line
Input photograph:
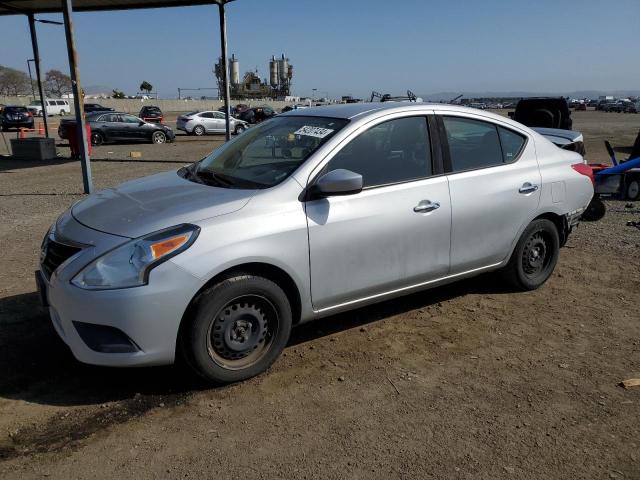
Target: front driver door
x=392 y=235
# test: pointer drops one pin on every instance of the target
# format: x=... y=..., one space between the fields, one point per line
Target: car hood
x=145 y=205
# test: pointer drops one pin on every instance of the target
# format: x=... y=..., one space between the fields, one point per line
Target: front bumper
x=149 y=315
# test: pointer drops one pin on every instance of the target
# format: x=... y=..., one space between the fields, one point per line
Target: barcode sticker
x=317 y=132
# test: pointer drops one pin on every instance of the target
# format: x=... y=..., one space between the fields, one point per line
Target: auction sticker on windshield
x=317 y=132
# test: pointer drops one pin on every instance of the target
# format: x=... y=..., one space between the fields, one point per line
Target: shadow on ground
x=36 y=366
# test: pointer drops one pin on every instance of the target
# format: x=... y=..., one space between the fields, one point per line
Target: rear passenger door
x=219 y=119
x=494 y=181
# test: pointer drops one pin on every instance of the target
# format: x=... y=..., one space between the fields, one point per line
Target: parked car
x=616 y=107
x=96 y=107
x=120 y=127
x=257 y=114
x=57 y=106
x=545 y=112
x=151 y=113
x=16 y=116
x=235 y=109
x=305 y=215
x=632 y=107
x=201 y=123
x=580 y=107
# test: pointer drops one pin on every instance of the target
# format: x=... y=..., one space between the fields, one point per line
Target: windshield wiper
x=210 y=177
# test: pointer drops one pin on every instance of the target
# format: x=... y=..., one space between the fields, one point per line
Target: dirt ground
x=466 y=381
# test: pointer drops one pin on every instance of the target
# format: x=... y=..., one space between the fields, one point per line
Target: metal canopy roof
x=15 y=7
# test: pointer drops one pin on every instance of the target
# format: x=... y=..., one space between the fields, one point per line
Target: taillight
x=584 y=169
x=29 y=114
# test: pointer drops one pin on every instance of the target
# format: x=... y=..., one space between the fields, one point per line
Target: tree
x=56 y=83
x=146 y=87
x=118 y=94
x=14 y=82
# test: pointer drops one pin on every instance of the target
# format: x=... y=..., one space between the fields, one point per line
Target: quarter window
x=391 y=152
x=512 y=144
x=472 y=144
x=206 y=115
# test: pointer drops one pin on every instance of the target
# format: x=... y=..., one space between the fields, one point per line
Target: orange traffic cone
x=40 y=128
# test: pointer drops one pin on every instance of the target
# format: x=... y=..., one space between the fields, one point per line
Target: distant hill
x=517 y=94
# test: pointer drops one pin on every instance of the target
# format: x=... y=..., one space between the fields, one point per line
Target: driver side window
x=391 y=152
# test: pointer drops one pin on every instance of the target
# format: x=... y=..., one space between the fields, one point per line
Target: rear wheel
x=97 y=138
x=198 y=130
x=238 y=329
x=62 y=113
x=158 y=137
x=535 y=256
x=594 y=211
x=633 y=189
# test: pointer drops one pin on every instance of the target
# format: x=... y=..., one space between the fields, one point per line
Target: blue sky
x=355 y=46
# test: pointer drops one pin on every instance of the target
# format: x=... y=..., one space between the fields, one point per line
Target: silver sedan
x=201 y=123
x=310 y=213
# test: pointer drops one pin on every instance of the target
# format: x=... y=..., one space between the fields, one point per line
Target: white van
x=56 y=106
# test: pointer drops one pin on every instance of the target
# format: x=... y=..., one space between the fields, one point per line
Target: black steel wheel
x=236 y=329
x=535 y=256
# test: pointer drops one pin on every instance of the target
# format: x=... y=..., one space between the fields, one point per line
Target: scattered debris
x=341 y=379
x=135 y=154
x=564 y=365
x=629 y=205
x=632 y=382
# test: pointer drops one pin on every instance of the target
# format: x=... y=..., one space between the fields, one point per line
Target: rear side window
x=60 y=102
x=473 y=144
x=391 y=152
x=512 y=144
x=206 y=115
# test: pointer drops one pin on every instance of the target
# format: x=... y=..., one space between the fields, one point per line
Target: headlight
x=129 y=265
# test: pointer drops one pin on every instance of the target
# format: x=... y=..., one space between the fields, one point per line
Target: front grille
x=55 y=255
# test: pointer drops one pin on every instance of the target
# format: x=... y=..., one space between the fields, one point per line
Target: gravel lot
x=465 y=381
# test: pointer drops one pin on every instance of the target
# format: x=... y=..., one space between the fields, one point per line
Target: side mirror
x=337 y=182
x=140 y=123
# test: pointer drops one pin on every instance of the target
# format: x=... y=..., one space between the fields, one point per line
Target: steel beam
x=36 y=57
x=78 y=101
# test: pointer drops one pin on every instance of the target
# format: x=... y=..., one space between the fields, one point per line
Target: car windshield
x=15 y=109
x=266 y=154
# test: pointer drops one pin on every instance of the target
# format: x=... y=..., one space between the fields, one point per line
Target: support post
x=225 y=69
x=36 y=58
x=67 y=10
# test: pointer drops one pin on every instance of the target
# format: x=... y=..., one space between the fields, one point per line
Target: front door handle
x=528 y=188
x=426 y=206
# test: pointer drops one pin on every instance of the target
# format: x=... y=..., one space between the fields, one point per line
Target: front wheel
x=239 y=129
x=535 y=256
x=237 y=329
x=159 y=137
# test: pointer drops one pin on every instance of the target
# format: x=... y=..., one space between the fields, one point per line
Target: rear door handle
x=426 y=206
x=528 y=188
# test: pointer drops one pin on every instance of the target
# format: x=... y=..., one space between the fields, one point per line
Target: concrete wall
x=134 y=106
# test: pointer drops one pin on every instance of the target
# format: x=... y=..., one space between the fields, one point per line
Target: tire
x=239 y=129
x=535 y=256
x=96 y=138
x=199 y=130
x=236 y=329
x=62 y=113
x=595 y=210
x=158 y=137
x=633 y=189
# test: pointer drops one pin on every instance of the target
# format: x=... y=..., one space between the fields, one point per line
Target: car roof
x=351 y=110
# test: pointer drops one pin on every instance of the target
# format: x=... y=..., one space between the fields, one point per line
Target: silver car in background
x=310 y=213
x=211 y=121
